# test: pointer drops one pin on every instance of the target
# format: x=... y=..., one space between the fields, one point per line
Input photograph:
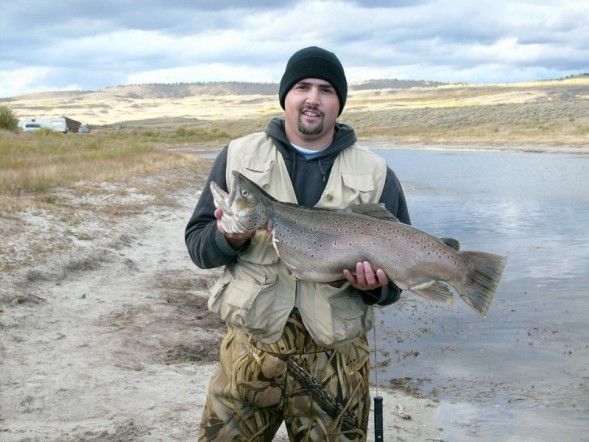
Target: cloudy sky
x=57 y=45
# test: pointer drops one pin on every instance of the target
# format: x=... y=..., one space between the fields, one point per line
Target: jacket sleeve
x=394 y=200
x=207 y=246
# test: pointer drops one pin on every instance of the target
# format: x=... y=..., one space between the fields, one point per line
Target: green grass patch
x=202 y=135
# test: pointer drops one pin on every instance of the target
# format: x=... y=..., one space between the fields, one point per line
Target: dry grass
x=173 y=131
x=59 y=190
x=539 y=111
x=38 y=226
x=545 y=122
x=41 y=161
x=551 y=112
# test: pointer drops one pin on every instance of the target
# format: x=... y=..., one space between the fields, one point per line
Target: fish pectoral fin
x=435 y=291
x=275 y=242
x=375 y=210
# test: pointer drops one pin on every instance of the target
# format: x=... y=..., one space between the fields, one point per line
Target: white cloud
x=446 y=40
x=25 y=79
x=204 y=72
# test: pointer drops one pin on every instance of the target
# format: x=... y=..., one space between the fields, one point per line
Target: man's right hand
x=236 y=240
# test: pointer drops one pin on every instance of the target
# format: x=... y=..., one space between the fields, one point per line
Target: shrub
x=8 y=120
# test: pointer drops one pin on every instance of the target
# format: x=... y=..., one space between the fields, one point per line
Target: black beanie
x=314 y=62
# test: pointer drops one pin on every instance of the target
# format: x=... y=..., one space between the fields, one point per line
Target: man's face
x=311 y=107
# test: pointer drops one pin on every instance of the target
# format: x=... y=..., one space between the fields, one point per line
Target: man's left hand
x=365 y=278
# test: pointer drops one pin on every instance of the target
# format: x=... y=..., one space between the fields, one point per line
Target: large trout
x=317 y=244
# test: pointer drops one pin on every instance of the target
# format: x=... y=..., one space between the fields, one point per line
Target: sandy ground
x=109 y=338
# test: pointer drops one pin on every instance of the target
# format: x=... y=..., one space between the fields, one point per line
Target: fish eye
x=245 y=192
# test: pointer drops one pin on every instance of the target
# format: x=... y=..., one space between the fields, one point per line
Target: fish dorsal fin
x=374 y=210
x=451 y=242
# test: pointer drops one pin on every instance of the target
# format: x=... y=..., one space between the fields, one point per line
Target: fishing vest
x=258 y=293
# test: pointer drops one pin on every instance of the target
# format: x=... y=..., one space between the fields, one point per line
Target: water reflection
x=527 y=362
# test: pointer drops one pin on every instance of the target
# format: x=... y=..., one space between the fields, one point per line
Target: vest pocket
x=349 y=313
x=244 y=297
x=340 y=314
x=260 y=176
x=358 y=188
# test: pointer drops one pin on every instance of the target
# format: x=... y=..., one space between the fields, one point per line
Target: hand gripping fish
x=317 y=244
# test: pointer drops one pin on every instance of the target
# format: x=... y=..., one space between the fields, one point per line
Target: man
x=295 y=351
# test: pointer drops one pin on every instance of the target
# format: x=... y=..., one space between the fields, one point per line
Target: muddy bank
x=106 y=336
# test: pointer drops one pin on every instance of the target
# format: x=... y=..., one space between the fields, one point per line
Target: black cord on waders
x=378 y=419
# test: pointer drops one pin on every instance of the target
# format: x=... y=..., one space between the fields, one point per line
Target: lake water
x=522 y=372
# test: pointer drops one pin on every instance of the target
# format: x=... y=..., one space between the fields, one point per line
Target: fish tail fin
x=480 y=282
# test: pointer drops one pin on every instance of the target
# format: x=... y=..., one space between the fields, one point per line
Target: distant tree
x=8 y=120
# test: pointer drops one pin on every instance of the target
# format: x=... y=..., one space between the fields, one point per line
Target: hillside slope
x=543 y=111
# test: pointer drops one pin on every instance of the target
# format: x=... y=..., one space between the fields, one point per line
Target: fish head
x=243 y=208
x=248 y=202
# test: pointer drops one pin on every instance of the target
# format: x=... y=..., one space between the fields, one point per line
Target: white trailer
x=58 y=124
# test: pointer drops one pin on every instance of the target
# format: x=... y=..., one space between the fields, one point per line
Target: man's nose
x=313 y=95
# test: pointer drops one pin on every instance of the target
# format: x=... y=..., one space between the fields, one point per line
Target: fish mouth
x=220 y=198
x=230 y=220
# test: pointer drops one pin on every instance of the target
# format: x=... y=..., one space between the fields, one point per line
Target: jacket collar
x=344 y=137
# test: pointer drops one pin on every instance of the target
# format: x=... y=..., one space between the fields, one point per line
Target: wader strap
x=286 y=350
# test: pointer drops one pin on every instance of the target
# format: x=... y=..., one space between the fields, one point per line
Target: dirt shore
x=107 y=336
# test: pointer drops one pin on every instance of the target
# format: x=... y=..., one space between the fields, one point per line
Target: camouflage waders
x=321 y=394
